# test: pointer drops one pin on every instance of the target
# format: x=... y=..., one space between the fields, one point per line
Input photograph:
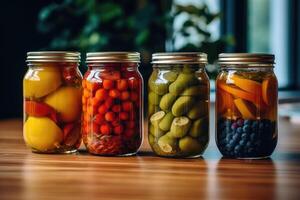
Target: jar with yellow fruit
x=246 y=105
x=52 y=102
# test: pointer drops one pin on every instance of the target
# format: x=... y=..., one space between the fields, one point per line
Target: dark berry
x=248 y=144
x=239 y=130
x=246 y=128
x=236 y=137
x=246 y=138
x=234 y=126
x=247 y=122
x=233 y=142
x=240 y=122
x=254 y=125
x=228 y=138
x=242 y=142
x=237 y=148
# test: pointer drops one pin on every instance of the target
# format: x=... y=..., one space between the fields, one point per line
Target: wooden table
x=25 y=175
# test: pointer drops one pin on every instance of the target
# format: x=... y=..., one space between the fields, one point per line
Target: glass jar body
x=178 y=110
x=52 y=107
x=112 y=121
x=246 y=111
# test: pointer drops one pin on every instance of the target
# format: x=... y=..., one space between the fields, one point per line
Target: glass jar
x=112 y=107
x=246 y=105
x=178 y=105
x=52 y=102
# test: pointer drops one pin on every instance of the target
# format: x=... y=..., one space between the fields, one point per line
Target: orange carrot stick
x=237 y=92
x=246 y=109
x=247 y=84
x=269 y=90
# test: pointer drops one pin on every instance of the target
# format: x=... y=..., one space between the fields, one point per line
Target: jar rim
x=53 y=56
x=240 y=59
x=179 y=58
x=113 y=57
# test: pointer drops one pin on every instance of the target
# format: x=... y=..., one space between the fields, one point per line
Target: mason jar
x=246 y=105
x=178 y=104
x=52 y=102
x=112 y=104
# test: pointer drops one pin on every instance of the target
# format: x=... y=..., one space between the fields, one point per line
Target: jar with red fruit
x=52 y=102
x=112 y=120
x=246 y=105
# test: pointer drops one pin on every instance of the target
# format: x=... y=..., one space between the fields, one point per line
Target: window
x=268 y=32
x=271 y=26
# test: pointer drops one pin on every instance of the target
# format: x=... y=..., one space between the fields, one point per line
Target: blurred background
x=210 y=26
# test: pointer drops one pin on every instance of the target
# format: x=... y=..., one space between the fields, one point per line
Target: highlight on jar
x=246 y=105
x=112 y=104
x=52 y=102
x=178 y=105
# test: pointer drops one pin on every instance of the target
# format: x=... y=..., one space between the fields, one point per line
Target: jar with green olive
x=178 y=104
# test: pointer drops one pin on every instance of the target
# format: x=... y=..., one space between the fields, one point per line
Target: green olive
x=167 y=144
x=200 y=109
x=182 y=82
x=190 y=145
x=180 y=126
x=165 y=123
x=199 y=127
x=170 y=76
x=167 y=101
x=182 y=105
x=152 y=109
x=155 y=131
x=154 y=98
x=197 y=90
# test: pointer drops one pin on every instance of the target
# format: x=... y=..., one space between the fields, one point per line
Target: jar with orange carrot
x=246 y=105
x=112 y=104
x=52 y=102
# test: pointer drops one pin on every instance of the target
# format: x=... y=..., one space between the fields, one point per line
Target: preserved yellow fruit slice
x=41 y=82
x=67 y=102
x=42 y=133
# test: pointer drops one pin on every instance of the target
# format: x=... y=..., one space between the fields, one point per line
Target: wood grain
x=25 y=175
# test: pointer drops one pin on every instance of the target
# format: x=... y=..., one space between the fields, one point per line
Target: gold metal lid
x=246 y=58
x=179 y=58
x=113 y=57
x=53 y=56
